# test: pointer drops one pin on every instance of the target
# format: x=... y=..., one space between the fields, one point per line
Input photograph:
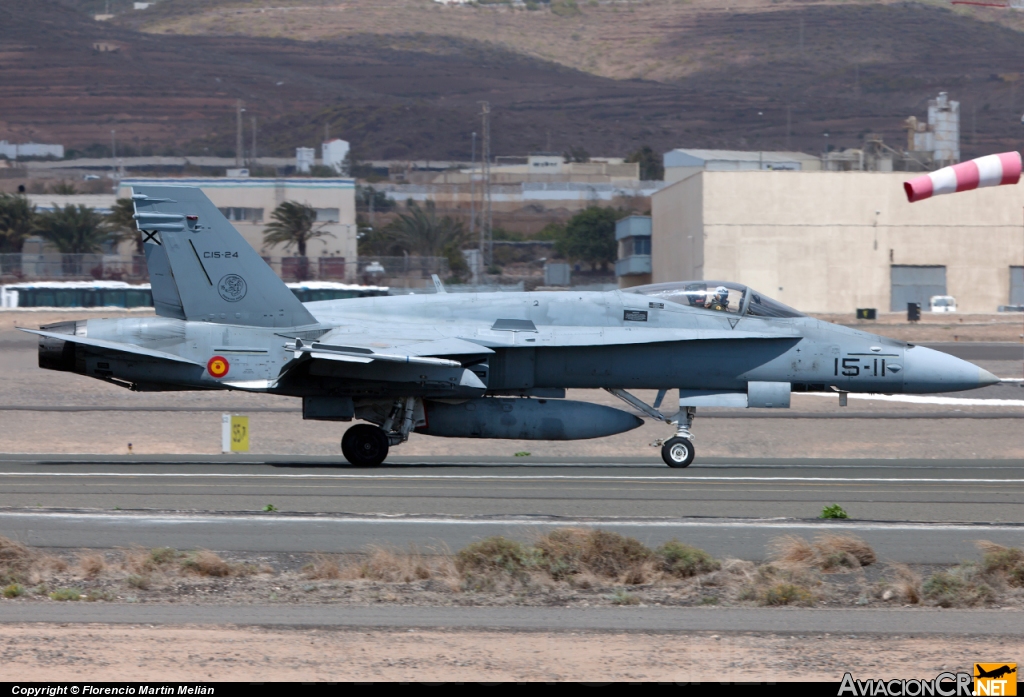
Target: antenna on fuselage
x=437 y=283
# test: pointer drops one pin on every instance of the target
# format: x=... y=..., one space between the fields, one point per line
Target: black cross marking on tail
x=150 y=236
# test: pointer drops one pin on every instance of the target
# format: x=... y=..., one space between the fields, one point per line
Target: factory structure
x=832 y=242
x=249 y=202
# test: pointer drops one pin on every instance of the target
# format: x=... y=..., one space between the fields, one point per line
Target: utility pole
x=485 y=161
x=113 y=152
x=238 y=133
x=789 y=126
x=252 y=153
x=472 y=188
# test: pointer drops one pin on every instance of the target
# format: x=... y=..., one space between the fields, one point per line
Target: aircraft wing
x=113 y=346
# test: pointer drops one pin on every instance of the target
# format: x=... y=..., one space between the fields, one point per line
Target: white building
x=683 y=162
x=12 y=151
x=249 y=202
x=304 y=160
x=333 y=153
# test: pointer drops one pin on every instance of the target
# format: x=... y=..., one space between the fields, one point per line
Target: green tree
x=420 y=231
x=72 y=229
x=294 y=225
x=590 y=236
x=651 y=167
x=17 y=221
x=120 y=223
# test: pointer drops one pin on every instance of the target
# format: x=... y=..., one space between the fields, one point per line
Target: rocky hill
x=403 y=78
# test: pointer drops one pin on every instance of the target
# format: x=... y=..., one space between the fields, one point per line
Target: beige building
x=248 y=204
x=837 y=241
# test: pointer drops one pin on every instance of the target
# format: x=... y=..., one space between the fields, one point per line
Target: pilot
x=719 y=300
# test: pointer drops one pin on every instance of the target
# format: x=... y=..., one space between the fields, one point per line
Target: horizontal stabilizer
x=112 y=346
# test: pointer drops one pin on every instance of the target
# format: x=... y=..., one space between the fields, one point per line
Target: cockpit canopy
x=717 y=296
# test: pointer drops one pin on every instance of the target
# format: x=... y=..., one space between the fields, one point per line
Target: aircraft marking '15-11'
x=488 y=365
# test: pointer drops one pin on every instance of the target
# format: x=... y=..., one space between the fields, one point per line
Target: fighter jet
x=487 y=365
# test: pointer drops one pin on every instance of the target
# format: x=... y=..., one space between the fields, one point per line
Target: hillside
x=403 y=78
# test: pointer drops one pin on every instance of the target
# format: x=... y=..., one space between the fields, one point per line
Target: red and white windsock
x=991 y=170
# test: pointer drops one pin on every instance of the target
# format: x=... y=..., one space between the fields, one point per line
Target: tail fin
x=200 y=267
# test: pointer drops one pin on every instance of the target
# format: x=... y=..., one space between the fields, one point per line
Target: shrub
x=138 y=581
x=684 y=561
x=163 y=555
x=786 y=594
x=14 y=590
x=567 y=551
x=833 y=511
x=493 y=555
x=621 y=597
x=957 y=587
x=66 y=594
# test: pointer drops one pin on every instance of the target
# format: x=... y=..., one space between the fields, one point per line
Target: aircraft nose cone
x=927 y=370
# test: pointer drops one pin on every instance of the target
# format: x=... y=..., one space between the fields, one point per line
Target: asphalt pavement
x=982 y=491
x=657 y=619
x=922 y=511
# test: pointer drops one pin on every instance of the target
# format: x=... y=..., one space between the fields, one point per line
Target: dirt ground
x=149 y=653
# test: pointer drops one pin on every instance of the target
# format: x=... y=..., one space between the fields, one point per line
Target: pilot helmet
x=722 y=290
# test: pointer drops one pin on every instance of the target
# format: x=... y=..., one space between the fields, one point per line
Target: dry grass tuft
x=395 y=567
x=906 y=583
x=792 y=551
x=324 y=567
x=1004 y=563
x=829 y=553
x=206 y=563
x=16 y=561
x=566 y=552
x=92 y=565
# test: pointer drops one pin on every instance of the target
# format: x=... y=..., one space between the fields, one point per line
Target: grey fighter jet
x=491 y=365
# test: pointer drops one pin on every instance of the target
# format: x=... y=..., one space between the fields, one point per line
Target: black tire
x=677 y=452
x=364 y=445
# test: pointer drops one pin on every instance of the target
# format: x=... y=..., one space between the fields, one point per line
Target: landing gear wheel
x=677 y=452
x=364 y=445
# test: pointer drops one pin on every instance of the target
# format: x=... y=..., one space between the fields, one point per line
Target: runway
x=910 y=510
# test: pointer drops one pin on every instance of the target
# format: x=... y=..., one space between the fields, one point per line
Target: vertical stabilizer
x=201 y=269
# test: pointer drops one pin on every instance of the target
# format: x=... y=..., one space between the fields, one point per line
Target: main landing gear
x=677 y=451
x=365 y=445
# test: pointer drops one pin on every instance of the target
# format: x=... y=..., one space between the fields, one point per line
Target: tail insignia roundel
x=991 y=170
x=218 y=367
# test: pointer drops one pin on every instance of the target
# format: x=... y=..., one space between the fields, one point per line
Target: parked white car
x=942 y=303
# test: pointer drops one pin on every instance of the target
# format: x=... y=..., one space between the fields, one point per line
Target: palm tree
x=419 y=231
x=17 y=221
x=121 y=224
x=72 y=229
x=292 y=226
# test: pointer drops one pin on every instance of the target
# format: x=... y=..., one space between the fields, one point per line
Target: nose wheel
x=364 y=445
x=677 y=452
